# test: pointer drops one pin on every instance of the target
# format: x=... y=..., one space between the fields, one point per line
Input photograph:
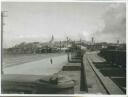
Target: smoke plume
x=114 y=19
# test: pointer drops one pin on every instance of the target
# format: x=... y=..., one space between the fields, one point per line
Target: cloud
x=114 y=28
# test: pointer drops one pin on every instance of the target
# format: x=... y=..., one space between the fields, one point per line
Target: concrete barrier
x=107 y=83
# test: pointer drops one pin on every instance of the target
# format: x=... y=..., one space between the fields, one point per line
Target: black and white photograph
x=63 y=48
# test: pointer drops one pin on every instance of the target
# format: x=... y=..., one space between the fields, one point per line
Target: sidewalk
x=93 y=84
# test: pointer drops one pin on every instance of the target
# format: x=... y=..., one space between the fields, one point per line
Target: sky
x=38 y=21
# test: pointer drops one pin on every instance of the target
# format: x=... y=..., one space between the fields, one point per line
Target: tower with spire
x=52 y=39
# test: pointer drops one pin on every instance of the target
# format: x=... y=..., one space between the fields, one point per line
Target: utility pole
x=92 y=40
x=67 y=41
x=2 y=31
x=60 y=45
x=68 y=49
x=118 y=42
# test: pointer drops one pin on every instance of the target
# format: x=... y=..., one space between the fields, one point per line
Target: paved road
x=40 y=67
x=10 y=60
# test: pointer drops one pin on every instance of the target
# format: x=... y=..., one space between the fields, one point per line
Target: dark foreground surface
x=87 y=73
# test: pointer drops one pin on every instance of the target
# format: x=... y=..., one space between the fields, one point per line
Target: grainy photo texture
x=63 y=48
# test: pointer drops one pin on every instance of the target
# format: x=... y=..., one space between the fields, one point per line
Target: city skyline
x=31 y=22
